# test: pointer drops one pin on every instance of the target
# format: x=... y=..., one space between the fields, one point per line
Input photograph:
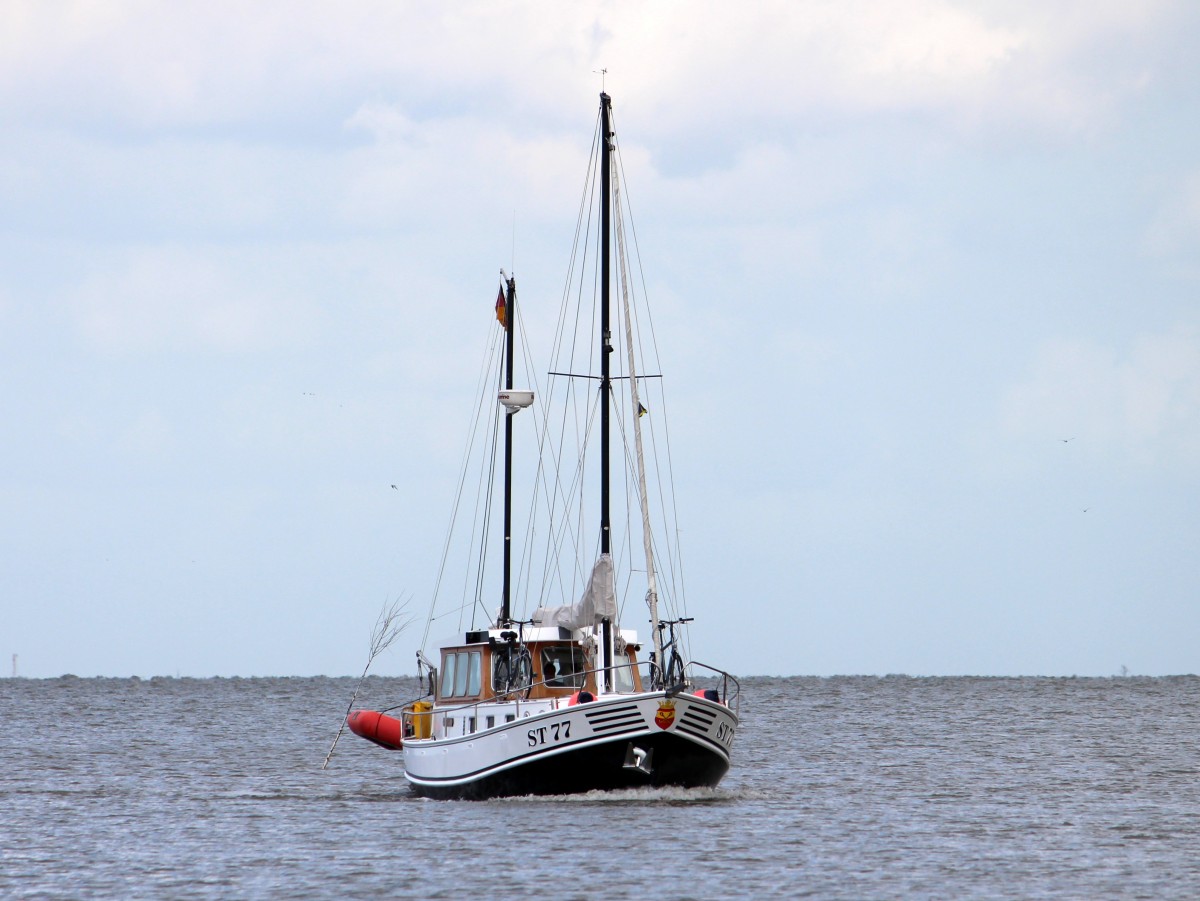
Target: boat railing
x=417 y=715
x=732 y=701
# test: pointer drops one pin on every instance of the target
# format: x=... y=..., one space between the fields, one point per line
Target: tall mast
x=605 y=350
x=510 y=316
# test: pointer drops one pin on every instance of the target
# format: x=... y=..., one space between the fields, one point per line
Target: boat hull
x=615 y=742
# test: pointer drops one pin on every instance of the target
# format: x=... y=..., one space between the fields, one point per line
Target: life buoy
x=709 y=694
x=378 y=727
x=580 y=697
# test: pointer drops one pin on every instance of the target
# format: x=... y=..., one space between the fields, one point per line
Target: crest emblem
x=666 y=715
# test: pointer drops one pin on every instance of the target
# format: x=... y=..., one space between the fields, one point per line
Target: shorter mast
x=509 y=313
x=512 y=401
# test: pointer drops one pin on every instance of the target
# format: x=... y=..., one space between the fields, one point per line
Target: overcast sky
x=926 y=278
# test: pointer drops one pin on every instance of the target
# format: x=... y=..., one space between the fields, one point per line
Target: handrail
x=736 y=701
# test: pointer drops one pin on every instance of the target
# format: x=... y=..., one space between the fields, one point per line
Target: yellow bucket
x=421 y=719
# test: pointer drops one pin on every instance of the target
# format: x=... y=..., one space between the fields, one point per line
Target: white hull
x=615 y=741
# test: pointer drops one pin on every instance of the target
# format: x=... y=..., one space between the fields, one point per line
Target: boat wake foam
x=658 y=795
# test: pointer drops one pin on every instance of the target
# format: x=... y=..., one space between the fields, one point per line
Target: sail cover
x=599 y=602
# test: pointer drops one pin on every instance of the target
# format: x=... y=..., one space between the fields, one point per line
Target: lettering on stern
x=549 y=734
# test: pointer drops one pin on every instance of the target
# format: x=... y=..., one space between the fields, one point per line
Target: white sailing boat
x=561 y=702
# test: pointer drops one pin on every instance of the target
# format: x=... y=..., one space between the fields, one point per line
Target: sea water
x=850 y=787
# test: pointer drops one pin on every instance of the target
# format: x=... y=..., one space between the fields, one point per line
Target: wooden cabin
x=556 y=666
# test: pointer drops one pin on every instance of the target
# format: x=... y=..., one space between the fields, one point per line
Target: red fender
x=380 y=728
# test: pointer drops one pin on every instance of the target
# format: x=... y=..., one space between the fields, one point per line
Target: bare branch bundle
x=393 y=619
x=388 y=627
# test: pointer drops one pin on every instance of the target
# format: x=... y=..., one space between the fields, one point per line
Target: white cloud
x=1176 y=228
x=786 y=57
x=150 y=434
x=453 y=170
x=170 y=299
x=684 y=64
x=1140 y=407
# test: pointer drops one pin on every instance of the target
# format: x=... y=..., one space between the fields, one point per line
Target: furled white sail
x=599 y=602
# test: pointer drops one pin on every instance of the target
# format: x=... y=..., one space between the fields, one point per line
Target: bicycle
x=512 y=668
x=674 y=674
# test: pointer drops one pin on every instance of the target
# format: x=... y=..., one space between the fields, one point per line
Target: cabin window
x=563 y=666
x=475 y=674
x=462 y=674
x=623 y=676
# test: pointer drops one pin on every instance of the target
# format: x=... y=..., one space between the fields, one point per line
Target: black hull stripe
x=618 y=716
x=698 y=733
x=620 y=725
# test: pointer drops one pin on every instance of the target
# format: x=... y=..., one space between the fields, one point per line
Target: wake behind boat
x=562 y=701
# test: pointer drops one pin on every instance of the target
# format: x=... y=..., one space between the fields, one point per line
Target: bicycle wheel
x=675 y=674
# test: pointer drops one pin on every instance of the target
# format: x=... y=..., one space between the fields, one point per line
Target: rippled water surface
x=841 y=788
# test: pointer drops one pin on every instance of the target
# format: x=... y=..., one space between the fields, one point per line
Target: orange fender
x=380 y=728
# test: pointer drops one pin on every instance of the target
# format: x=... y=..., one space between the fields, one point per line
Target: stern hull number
x=549 y=734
